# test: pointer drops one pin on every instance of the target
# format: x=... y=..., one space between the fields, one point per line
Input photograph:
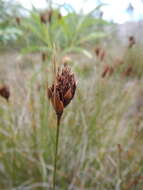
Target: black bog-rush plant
x=61 y=93
x=5 y=92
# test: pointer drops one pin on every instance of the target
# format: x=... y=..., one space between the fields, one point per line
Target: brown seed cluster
x=4 y=92
x=18 y=20
x=47 y=16
x=97 y=51
x=100 y=53
x=108 y=70
x=132 y=41
x=62 y=91
x=44 y=56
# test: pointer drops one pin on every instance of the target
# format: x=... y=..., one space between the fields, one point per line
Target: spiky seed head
x=5 y=92
x=62 y=91
x=132 y=41
x=97 y=51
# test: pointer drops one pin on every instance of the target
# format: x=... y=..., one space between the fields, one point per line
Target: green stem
x=56 y=150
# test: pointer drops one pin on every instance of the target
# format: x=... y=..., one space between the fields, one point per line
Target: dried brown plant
x=97 y=51
x=18 y=20
x=47 y=16
x=63 y=90
x=44 y=56
x=132 y=41
x=100 y=53
x=108 y=70
x=5 y=92
x=61 y=93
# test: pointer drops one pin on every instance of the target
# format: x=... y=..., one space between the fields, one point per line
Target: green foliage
x=67 y=33
x=8 y=29
x=9 y=34
x=8 y=8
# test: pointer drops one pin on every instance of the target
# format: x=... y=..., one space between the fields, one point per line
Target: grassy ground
x=101 y=130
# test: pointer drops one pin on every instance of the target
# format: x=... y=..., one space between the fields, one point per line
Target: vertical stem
x=119 y=166
x=56 y=150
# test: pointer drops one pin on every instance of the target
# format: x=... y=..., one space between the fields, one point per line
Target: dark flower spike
x=132 y=41
x=18 y=20
x=107 y=70
x=62 y=91
x=97 y=51
x=48 y=15
x=4 y=92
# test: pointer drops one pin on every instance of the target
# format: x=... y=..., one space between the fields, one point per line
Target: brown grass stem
x=61 y=93
x=56 y=150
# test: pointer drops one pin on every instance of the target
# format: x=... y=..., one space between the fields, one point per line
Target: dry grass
x=101 y=131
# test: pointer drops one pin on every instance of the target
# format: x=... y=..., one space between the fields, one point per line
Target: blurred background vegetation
x=101 y=131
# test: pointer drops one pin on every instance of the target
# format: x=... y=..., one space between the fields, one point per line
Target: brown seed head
x=62 y=92
x=4 y=92
x=100 y=53
x=44 y=56
x=46 y=16
x=18 y=20
x=97 y=51
x=107 y=70
x=132 y=41
x=131 y=38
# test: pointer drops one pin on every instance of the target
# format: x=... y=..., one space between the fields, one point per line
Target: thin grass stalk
x=119 y=166
x=61 y=93
x=56 y=151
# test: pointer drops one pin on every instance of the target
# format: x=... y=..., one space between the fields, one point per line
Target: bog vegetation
x=101 y=131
